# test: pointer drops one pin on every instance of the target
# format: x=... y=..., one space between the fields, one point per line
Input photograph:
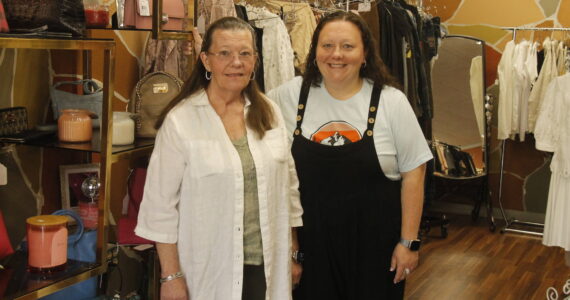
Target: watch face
x=415 y=245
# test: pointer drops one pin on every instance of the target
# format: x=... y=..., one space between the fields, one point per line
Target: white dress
x=547 y=73
x=552 y=134
x=505 y=75
x=278 y=55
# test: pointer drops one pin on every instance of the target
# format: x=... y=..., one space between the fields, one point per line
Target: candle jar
x=123 y=128
x=47 y=243
x=96 y=14
x=74 y=125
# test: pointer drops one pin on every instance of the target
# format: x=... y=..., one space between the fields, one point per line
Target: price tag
x=144 y=8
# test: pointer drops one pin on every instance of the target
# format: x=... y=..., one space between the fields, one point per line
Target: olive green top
x=252 y=246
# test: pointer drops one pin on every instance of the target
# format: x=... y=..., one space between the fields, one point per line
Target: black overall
x=351 y=219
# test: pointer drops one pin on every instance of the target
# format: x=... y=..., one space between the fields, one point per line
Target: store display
x=138 y=14
x=48 y=15
x=151 y=94
x=91 y=100
x=74 y=125
x=47 y=243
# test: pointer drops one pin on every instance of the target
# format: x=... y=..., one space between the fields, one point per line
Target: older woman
x=221 y=194
x=360 y=157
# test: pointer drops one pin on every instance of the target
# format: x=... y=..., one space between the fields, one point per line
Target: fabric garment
x=194 y=196
x=398 y=139
x=252 y=247
x=352 y=216
x=505 y=76
x=259 y=74
x=166 y=56
x=278 y=57
x=217 y=9
x=545 y=76
x=552 y=134
x=477 y=87
x=254 y=286
x=301 y=24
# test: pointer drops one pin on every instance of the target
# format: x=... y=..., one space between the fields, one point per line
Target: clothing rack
x=538 y=227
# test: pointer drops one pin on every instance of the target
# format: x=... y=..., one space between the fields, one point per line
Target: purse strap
x=74 y=238
x=90 y=86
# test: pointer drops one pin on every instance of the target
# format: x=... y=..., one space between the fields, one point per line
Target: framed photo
x=71 y=178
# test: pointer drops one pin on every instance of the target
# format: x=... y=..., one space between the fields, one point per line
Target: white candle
x=123 y=128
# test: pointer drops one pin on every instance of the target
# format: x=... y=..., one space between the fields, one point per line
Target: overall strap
x=373 y=109
x=303 y=95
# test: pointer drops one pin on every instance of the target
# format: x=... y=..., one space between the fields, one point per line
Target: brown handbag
x=138 y=15
x=151 y=95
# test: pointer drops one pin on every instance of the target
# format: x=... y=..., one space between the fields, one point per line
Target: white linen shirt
x=194 y=197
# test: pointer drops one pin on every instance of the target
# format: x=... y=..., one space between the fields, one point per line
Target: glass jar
x=47 y=243
x=96 y=14
x=123 y=128
x=74 y=125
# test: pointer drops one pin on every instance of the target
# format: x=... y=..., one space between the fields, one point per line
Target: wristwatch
x=297 y=256
x=413 y=245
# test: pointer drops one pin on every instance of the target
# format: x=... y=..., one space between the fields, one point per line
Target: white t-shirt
x=399 y=141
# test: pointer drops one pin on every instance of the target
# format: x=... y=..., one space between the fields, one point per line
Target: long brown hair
x=260 y=116
x=374 y=69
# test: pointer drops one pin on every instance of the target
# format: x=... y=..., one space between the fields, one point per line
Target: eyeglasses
x=227 y=56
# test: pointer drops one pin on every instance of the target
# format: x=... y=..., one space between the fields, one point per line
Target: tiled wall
x=526 y=171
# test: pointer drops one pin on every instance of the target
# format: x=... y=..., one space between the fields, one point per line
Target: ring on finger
x=407 y=271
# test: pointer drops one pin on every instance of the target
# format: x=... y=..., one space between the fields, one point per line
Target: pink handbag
x=3 y=23
x=172 y=14
x=126 y=226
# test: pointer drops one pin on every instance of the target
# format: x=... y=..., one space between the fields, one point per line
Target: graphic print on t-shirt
x=336 y=133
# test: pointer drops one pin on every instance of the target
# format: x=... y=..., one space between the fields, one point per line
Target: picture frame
x=71 y=177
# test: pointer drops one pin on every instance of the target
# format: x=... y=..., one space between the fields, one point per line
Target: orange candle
x=47 y=243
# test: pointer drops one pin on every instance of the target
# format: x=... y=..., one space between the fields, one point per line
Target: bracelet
x=171 y=277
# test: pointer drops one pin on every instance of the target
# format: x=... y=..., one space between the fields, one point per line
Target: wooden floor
x=473 y=263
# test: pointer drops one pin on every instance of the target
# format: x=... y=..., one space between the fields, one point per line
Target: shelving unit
x=26 y=285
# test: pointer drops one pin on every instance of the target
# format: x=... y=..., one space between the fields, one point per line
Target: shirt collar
x=201 y=98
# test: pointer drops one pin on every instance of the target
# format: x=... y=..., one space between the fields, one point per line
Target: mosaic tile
x=441 y=8
x=486 y=33
x=549 y=6
x=499 y=13
x=536 y=193
x=564 y=13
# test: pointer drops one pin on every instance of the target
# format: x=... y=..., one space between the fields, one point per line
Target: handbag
x=53 y=15
x=13 y=120
x=3 y=22
x=126 y=226
x=138 y=14
x=81 y=246
x=91 y=100
x=151 y=95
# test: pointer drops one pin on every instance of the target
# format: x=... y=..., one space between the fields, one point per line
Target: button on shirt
x=193 y=196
